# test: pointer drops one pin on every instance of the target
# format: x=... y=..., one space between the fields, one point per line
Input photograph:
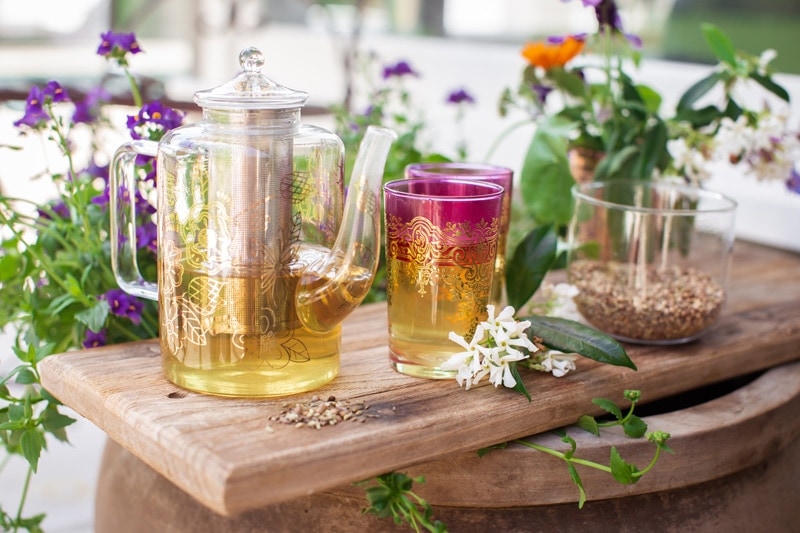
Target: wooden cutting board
x=230 y=456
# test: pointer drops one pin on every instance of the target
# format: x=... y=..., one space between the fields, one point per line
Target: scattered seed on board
x=316 y=413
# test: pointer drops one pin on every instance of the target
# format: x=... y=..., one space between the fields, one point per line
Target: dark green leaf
x=635 y=427
x=720 y=44
x=519 y=386
x=569 y=336
x=588 y=423
x=653 y=152
x=699 y=117
x=698 y=90
x=529 y=264
x=608 y=406
x=770 y=85
x=622 y=471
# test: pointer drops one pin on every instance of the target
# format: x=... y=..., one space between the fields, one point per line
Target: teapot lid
x=250 y=89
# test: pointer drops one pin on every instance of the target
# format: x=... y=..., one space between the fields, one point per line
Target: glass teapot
x=260 y=258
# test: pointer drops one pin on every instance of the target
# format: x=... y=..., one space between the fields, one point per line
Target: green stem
x=137 y=96
x=500 y=138
x=24 y=497
x=650 y=466
x=563 y=456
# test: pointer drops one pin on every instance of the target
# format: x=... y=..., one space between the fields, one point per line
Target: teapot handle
x=122 y=197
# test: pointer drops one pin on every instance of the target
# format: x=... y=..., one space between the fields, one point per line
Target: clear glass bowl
x=650 y=259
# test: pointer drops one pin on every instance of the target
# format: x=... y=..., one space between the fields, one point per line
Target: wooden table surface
x=228 y=455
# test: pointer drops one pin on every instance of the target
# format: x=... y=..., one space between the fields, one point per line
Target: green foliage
x=529 y=264
x=569 y=336
x=391 y=496
x=55 y=278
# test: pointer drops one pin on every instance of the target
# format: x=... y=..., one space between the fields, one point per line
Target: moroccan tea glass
x=441 y=245
x=650 y=259
x=496 y=174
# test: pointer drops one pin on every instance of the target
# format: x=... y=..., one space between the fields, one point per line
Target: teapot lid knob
x=251 y=59
x=250 y=89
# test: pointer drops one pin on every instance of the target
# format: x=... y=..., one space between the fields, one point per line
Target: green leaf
x=529 y=264
x=654 y=151
x=519 y=386
x=588 y=423
x=569 y=81
x=576 y=478
x=26 y=376
x=608 y=406
x=60 y=303
x=545 y=177
x=569 y=336
x=650 y=97
x=622 y=471
x=767 y=83
x=698 y=90
x=32 y=443
x=52 y=419
x=635 y=427
x=10 y=265
x=720 y=44
x=614 y=165
x=95 y=317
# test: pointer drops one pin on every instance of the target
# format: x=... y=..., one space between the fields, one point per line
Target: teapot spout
x=333 y=286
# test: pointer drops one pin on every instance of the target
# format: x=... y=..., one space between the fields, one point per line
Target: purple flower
x=147 y=236
x=541 y=92
x=96 y=171
x=460 y=96
x=123 y=304
x=398 y=70
x=88 y=109
x=55 y=91
x=793 y=183
x=94 y=339
x=34 y=110
x=117 y=45
x=153 y=120
x=57 y=208
x=103 y=198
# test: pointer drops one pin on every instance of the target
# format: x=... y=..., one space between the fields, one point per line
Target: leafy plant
x=57 y=289
x=392 y=494
x=593 y=103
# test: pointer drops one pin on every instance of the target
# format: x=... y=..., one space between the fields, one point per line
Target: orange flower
x=548 y=56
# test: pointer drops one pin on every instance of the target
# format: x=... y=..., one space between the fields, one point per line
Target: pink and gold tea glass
x=441 y=244
x=498 y=175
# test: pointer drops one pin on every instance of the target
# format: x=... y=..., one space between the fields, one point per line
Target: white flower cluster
x=764 y=147
x=496 y=344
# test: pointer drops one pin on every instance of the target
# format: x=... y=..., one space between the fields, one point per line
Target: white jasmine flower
x=469 y=363
x=504 y=320
x=765 y=59
x=560 y=300
x=498 y=342
x=688 y=160
x=558 y=363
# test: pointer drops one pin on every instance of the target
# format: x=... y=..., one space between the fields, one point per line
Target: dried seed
x=316 y=413
x=673 y=302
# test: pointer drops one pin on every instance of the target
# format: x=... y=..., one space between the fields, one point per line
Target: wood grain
x=221 y=452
